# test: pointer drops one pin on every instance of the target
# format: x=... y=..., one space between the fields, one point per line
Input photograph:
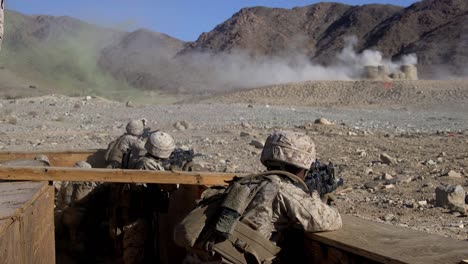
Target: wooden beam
x=112 y=175
x=59 y=158
x=385 y=243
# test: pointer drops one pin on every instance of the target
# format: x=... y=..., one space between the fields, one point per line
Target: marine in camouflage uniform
x=132 y=140
x=273 y=204
x=71 y=209
x=135 y=215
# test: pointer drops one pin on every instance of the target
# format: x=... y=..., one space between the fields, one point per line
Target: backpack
x=221 y=212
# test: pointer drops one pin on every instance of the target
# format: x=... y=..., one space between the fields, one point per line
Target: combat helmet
x=136 y=127
x=160 y=145
x=287 y=147
x=43 y=158
x=82 y=164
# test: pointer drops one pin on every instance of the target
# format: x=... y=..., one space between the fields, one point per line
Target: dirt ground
x=427 y=138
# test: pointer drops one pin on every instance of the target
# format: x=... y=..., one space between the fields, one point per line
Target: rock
x=404 y=179
x=458 y=225
x=386 y=176
x=442 y=154
x=429 y=163
x=368 y=171
x=231 y=168
x=388 y=217
x=387 y=159
x=456 y=214
x=422 y=203
x=256 y=144
x=182 y=125
x=244 y=134
x=179 y=126
x=362 y=153
x=351 y=133
x=452 y=174
x=323 y=121
x=246 y=125
x=129 y=103
x=451 y=197
x=389 y=186
x=87 y=98
x=374 y=186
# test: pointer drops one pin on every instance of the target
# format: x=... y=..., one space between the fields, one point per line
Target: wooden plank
x=60 y=158
x=37 y=224
x=27 y=232
x=386 y=243
x=113 y=175
x=14 y=196
x=10 y=246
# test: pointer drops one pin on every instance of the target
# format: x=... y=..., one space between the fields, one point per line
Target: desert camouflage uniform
x=126 y=142
x=148 y=163
x=136 y=231
x=281 y=205
x=132 y=140
x=71 y=210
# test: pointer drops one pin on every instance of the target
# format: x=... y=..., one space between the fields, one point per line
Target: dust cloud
x=219 y=72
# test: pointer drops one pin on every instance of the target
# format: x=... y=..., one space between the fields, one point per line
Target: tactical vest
x=216 y=225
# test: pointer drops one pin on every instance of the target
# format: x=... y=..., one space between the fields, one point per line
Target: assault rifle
x=147 y=132
x=179 y=158
x=322 y=178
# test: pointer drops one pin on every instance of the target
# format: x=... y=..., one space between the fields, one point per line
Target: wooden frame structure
x=360 y=241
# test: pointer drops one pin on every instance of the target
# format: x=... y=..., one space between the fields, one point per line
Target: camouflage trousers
x=134 y=242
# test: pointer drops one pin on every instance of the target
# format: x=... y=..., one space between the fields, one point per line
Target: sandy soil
x=427 y=139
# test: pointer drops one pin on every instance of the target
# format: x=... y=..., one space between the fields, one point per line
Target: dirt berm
x=353 y=93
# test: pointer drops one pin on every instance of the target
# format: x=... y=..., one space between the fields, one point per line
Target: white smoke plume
x=220 y=72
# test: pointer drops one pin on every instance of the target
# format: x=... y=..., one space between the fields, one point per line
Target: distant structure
x=381 y=72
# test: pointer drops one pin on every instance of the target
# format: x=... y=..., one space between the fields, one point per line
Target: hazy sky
x=185 y=20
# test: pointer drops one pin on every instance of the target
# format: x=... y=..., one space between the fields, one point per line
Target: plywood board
x=27 y=228
x=386 y=243
x=15 y=195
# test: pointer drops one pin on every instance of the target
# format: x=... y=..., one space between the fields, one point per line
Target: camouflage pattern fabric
x=135 y=237
x=131 y=216
x=281 y=204
x=123 y=143
x=289 y=147
x=136 y=127
x=147 y=163
x=280 y=208
x=160 y=145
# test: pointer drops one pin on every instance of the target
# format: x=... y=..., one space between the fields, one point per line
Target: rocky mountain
x=47 y=54
x=141 y=58
x=435 y=30
x=73 y=57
